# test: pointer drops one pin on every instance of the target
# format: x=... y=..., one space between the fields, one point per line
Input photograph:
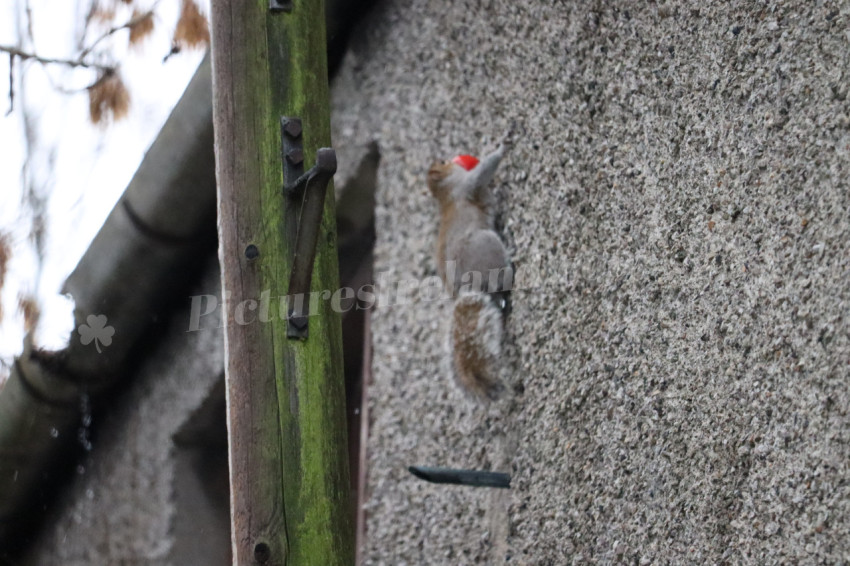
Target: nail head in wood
x=262 y=553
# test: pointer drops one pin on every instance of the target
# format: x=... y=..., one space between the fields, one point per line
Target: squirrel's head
x=437 y=174
x=440 y=171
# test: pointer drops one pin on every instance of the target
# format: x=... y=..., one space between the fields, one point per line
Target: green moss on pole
x=286 y=400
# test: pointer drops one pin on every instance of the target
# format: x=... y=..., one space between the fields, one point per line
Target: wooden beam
x=286 y=401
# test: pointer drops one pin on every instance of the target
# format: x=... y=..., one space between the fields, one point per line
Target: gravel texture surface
x=677 y=202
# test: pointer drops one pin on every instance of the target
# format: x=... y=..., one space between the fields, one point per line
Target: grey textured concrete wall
x=120 y=508
x=679 y=379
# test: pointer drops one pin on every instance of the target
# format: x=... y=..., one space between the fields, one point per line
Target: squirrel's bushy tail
x=476 y=344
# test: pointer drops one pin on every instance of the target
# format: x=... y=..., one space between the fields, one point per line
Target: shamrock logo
x=96 y=330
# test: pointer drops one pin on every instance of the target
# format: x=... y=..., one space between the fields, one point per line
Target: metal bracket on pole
x=305 y=201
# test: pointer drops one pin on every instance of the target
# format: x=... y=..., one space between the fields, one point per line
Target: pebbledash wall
x=677 y=363
x=678 y=377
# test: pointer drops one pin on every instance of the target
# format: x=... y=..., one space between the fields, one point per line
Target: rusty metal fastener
x=309 y=191
x=299 y=322
x=295 y=156
x=292 y=127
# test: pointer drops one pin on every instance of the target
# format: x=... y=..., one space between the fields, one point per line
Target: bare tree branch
x=24 y=55
x=81 y=32
x=80 y=61
x=126 y=25
x=11 y=84
x=28 y=10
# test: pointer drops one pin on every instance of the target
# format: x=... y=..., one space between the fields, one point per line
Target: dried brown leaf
x=5 y=256
x=104 y=14
x=141 y=26
x=108 y=98
x=192 y=29
x=28 y=307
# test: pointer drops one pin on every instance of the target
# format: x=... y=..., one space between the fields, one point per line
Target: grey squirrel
x=474 y=265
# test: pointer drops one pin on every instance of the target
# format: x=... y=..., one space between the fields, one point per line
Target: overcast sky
x=81 y=169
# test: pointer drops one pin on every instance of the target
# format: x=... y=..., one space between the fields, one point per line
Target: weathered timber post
x=286 y=403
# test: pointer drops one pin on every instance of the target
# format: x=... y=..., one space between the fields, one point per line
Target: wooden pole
x=290 y=498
